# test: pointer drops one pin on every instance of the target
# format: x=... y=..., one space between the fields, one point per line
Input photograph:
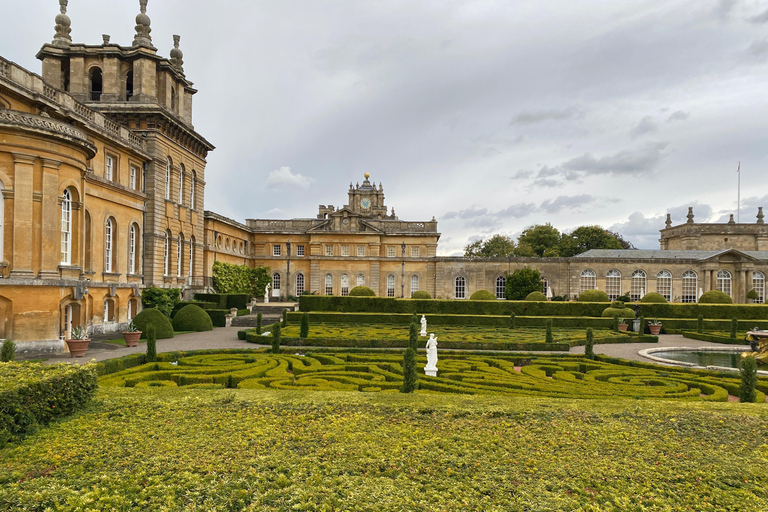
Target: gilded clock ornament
x=365 y=203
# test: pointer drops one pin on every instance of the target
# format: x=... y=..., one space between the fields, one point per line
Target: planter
x=655 y=329
x=77 y=348
x=132 y=338
x=623 y=327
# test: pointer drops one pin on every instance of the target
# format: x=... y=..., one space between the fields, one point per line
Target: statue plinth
x=430 y=371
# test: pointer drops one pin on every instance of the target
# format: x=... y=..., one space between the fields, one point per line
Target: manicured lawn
x=220 y=450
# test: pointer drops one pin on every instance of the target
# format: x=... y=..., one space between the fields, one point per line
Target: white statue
x=431 y=368
x=266 y=294
x=423 y=326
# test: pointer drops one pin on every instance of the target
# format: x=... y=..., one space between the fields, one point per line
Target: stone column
x=50 y=237
x=742 y=291
x=707 y=280
x=22 y=215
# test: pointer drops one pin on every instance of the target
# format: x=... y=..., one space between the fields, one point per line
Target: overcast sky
x=490 y=115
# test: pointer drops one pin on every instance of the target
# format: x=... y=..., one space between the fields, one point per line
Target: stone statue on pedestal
x=423 y=326
x=266 y=294
x=431 y=368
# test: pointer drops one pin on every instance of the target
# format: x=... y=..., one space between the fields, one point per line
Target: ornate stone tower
x=367 y=200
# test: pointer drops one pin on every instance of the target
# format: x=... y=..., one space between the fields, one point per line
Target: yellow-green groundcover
x=179 y=449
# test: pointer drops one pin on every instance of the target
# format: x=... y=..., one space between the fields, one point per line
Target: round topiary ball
x=361 y=291
x=536 y=296
x=421 y=294
x=715 y=297
x=594 y=296
x=653 y=297
x=625 y=313
x=482 y=295
x=617 y=304
x=192 y=318
x=163 y=327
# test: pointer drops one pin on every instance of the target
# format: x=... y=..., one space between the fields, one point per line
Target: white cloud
x=284 y=178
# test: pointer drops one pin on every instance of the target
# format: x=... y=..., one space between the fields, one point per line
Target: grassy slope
x=183 y=449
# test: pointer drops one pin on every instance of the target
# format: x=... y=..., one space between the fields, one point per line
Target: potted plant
x=654 y=326
x=132 y=335
x=623 y=326
x=78 y=341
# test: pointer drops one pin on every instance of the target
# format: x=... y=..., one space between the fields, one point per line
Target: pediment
x=729 y=255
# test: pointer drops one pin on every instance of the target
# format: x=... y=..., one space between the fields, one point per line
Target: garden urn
x=132 y=338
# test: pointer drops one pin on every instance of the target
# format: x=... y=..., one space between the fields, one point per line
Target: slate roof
x=648 y=254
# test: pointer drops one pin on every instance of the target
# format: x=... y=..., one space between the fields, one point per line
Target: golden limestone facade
x=103 y=181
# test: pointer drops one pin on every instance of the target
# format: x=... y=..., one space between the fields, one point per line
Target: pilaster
x=22 y=215
x=49 y=222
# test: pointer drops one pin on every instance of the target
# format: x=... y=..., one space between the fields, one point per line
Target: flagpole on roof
x=738 y=197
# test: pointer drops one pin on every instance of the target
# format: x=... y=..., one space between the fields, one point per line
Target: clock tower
x=367 y=200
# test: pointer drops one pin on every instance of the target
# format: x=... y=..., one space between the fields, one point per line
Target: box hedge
x=218 y=317
x=163 y=327
x=225 y=300
x=192 y=318
x=183 y=303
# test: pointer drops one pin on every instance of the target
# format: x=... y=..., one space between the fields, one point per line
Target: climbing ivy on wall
x=229 y=278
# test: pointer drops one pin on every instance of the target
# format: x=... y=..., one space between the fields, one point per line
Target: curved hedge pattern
x=564 y=377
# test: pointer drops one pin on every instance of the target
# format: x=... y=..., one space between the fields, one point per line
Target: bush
x=594 y=296
x=715 y=297
x=626 y=313
x=521 y=282
x=421 y=294
x=512 y=321
x=218 y=317
x=615 y=325
x=589 y=351
x=192 y=318
x=183 y=303
x=643 y=325
x=240 y=279
x=410 y=375
x=284 y=319
x=304 y=329
x=224 y=300
x=8 y=353
x=747 y=392
x=700 y=324
x=163 y=327
x=734 y=327
x=362 y=291
x=162 y=299
x=276 y=333
x=258 y=323
x=536 y=297
x=482 y=295
x=413 y=336
x=653 y=297
x=151 y=343
x=753 y=295
x=549 y=338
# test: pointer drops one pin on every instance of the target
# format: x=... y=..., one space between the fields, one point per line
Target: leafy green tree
x=498 y=246
x=258 y=323
x=540 y=238
x=8 y=353
x=522 y=282
x=625 y=244
x=413 y=336
x=525 y=251
x=585 y=238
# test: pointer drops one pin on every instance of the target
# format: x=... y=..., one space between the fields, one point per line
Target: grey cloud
x=466 y=214
x=639 y=161
x=538 y=116
x=724 y=8
x=760 y=18
x=547 y=183
x=646 y=125
x=563 y=202
x=758 y=48
x=517 y=210
x=521 y=175
x=678 y=115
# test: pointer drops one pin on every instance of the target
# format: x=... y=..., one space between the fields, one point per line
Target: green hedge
x=690 y=324
x=192 y=318
x=163 y=327
x=33 y=394
x=218 y=317
x=714 y=338
x=225 y=300
x=204 y=305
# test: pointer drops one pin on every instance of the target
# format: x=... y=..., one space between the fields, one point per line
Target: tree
x=522 y=282
x=585 y=238
x=540 y=238
x=525 y=251
x=410 y=375
x=625 y=244
x=498 y=246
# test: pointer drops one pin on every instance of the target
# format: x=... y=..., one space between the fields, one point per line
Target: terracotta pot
x=655 y=329
x=77 y=348
x=132 y=338
x=623 y=327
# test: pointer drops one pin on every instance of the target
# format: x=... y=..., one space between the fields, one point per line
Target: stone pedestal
x=430 y=372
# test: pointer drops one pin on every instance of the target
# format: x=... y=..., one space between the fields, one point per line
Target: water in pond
x=727 y=359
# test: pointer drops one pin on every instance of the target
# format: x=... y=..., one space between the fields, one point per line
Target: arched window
x=758 y=283
x=96 y=84
x=613 y=284
x=128 y=85
x=664 y=284
x=181 y=184
x=109 y=234
x=109 y=310
x=66 y=228
x=344 y=285
x=179 y=252
x=390 y=285
x=328 y=284
x=414 y=284
x=588 y=280
x=167 y=255
x=191 y=256
x=690 y=286
x=460 y=288
x=360 y=280
x=132 y=249
x=168 y=178
x=724 y=282
x=544 y=285
x=276 y=283
x=192 y=179
x=299 y=284
x=501 y=287
x=639 y=285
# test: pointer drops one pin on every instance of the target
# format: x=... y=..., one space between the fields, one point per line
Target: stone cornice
x=47 y=127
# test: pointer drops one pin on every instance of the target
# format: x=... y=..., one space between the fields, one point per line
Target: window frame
x=415 y=288
x=168 y=166
x=132 y=249
x=179 y=254
x=415 y=252
x=328 y=284
x=277 y=250
x=638 y=283
x=758 y=284
x=391 y=289
x=328 y=250
x=361 y=251
x=109 y=245
x=725 y=282
x=460 y=287
x=167 y=255
x=501 y=287
x=688 y=298
x=109 y=167
x=181 y=184
x=299 y=284
x=664 y=284
x=65 y=253
x=391 y=252
x=344 y=285
x=587 y=280
x=300 y=250
x=345 y=251
x=613 y=283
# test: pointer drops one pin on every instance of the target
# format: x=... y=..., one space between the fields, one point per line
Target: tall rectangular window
x=328 y=284
x=360 y=251
x=390 y=286
x=613 y=284
x=345 y=250
x=344 y=285
x=690 y=286
x=132 y=180
x=414 y=284
x=66 y=228
x=276 y=250
x=109 y=171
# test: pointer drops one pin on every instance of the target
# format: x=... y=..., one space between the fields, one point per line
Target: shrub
x=192 y=318
x=653 y=297
x=8 y=353
x=521 y=282
x=413 y=336
x=304 y=329
x=421 y=294
x=615 y=325
x=162 y=299
x=594 y=296
x=747 y=392
x=700 y=324
x=715 y=297
x=284 y=320
x=734 y=327
x=151 y=343
x=183 y=303
x=549 y=338
x=218 y=316
x=276 y=332
x=258 y=323
x=753 y=295
x=362 y=291
x=512 y=321
x=643 y=325
x=410 y=376
x=589 y=352
x=163 y=327
x=482 y=295
x=624 y=298
x=536 y=296
x=619 y=312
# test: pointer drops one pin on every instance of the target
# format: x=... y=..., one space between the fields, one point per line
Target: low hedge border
x=225 y=300
x=475 y=320
x=714 y=338
x=204 y=305
x=40 y=393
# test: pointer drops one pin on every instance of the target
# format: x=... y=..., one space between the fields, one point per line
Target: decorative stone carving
x=668 y=222
x=690 y=215
x=431 y=368
x=177 y=57
x=105 y=38
x=760 y=216
x=62 y=28
x=142 y=37
x=423 y=326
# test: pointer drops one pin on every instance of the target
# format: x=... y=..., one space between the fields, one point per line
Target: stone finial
x=177 y=57
x=731 y=221
x=668 y=223
x=105 y=38
x=381 y=189
x=690 y=215
x=142 y=37
x=760 y=216
x=62 y=28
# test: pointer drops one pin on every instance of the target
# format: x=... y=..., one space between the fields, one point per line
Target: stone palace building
x=102 y=180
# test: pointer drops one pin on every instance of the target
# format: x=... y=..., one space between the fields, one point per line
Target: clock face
x=365 y=203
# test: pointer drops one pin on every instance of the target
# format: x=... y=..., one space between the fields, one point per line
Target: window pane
x=501 y=287
x=613 y=284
